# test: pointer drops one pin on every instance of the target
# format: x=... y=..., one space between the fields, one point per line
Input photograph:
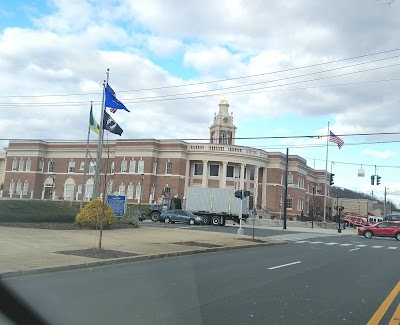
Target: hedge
x=19 y=210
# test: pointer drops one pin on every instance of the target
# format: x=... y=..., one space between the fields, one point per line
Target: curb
x=125 y=260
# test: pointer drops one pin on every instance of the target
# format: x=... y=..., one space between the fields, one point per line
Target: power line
x=220 y=80
x=208 y=92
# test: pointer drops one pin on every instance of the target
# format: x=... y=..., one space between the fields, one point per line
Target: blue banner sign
x=117 y=203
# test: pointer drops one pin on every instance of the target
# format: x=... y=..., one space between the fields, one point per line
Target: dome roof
x=224 y=102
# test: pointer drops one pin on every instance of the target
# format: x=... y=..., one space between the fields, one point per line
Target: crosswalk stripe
x=376 y=246
x=346 y=245
x=392 y=247
x=331 y=244
x=361 y=245
x=316 y=242
x=301 y=241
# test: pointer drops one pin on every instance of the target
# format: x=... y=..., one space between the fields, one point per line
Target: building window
x=109 y=187
x=92 y=167
x=25 y=188
x=141 y=167
x=14 y=164
x=41 y=165
x=139 y=192
x=132 y=166
x=12 y=187
x=71 y=166
x=28 y=165
x=21 y=165
x=252 y=172
x=68 y=191
x=112 y=168
x=89 y=190
x=19 y=188
x=82 y=165
x=290 y=178
x=124 y=166
x=289 y=203
x=214 y=170
x=121 y=189
x=198 y=169
x=224 y=138
x=168 y=168
x=166 y=191
x=50 y=167
x=154 y=167
x=80 y=189
x=129 y=193
x=318 y=189
x=230 y=171
x=153 y=192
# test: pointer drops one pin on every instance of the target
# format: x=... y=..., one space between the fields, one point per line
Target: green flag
x=93 y=125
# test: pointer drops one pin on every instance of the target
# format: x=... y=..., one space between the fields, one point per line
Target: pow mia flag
x=110 y=125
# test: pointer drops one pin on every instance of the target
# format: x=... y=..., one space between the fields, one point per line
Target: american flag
x=335 y=139
x=113 y=110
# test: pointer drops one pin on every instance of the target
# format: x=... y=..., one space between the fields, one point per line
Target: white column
x=222 y=180
x=241 y=184
x=264 y=188
x=187 y=175
x=255 y=196
x=205 y=174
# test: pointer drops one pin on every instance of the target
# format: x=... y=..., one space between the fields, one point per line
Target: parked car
x=172 y=216
x=381 y=229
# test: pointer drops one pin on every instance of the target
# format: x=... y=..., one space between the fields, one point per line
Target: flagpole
x=86 y=156
x=326 y=173
x=96 y=189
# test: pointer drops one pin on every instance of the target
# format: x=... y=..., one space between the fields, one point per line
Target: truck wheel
x=206 y=221
x=215 y=221
x=154 y=216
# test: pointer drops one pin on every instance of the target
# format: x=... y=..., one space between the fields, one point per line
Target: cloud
x=378 y=154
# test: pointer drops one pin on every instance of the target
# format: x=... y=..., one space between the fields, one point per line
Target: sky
x=287 y=69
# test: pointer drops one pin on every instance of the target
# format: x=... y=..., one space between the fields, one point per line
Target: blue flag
x=111 y=100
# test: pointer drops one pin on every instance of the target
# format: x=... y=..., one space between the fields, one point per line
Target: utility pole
x=384 y=204
x=286 y=189
x=338 y=213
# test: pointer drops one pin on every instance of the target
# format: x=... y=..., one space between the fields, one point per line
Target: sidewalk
x=27 y=251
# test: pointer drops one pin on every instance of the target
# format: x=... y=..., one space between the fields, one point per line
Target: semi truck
x=215 y=205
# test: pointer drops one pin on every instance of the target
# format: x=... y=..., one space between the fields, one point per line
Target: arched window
x=69 y=188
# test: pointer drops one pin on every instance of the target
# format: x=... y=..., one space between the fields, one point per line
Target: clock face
x=226 y=120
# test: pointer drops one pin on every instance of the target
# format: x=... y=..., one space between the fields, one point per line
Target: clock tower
x=223 y=130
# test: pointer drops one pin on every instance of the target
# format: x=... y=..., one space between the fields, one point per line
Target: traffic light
x=372 y=179
x=238 y=194
x=378 y=179
x=331 y=179
x=246 y=193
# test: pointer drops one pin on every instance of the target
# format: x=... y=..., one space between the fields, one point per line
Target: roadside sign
x=117 y=203
x=254 y=214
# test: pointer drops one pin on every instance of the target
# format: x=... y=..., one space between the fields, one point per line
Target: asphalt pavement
x=321 y=279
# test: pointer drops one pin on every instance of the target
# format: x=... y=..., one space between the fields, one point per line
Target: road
x=314 y=280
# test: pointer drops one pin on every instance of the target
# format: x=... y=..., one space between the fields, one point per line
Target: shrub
x=129 y=219
x=20 y=210
x=91 y=214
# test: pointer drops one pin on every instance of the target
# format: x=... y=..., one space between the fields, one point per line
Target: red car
x=381 y=229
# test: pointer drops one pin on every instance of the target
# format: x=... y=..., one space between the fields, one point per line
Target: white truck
x=216 y=205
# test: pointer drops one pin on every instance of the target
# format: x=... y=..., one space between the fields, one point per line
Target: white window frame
x=82 y=165
x=28 y=164
x=109 y=187
x=69 y=190
x=41 y=165
x=224 y=137
x=25 y=188
x=11 y=188
x=138 y=192
x=79 y=188
x=18 y=188
x=130 y=191
x=289 y=203
x=71 y=166
x=141 y=166
x=290 y=178
x=112 y=167
x=124 y=166
x=121 y=189
x=89 y=190
x=21 y=165
x=14 y=164
x=195 y=171
x=233 y=171
x=132 y=166
x=167 y=190
x=155 y=167
x=92 y=168
x=318 y=189
x=51 y=166
x=209 y=170
x=153 y=192
x=168 y=167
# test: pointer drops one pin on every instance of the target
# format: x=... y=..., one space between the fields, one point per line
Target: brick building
x=145 y=170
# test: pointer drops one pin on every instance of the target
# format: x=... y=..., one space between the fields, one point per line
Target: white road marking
x=354 y=249
x=316 y=242
x=302 y=241
x=391 y=247
x=283 y=265
x=330 y=244
x=376 y=246
x=361 y=245
x=346 y=244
